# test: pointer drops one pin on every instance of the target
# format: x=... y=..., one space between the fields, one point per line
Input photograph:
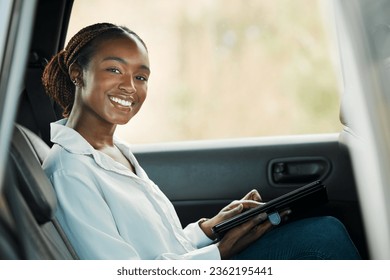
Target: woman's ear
x=76 y=74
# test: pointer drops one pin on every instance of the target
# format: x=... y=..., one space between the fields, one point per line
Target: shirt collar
x=74 y=143
x=69 y=138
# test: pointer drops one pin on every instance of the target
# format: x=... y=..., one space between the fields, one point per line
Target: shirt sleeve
x=210 y=252
x=196 y=235
x=90 y=226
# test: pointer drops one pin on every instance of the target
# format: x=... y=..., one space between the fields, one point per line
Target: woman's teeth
x=122 y=102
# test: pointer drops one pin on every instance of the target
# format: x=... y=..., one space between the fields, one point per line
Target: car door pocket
x=297 y=170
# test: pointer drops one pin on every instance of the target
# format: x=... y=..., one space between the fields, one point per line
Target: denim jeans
x=322 y=238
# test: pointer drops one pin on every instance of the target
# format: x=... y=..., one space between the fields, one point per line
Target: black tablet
x=299 y=199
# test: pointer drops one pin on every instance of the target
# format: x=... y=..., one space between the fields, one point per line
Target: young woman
x=108 y=206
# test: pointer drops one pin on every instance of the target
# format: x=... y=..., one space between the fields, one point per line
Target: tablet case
x=297 y=200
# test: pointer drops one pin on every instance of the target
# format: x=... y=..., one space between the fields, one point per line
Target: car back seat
x=31 y=200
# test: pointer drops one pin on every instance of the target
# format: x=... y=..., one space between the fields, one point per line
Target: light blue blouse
x=108 y=212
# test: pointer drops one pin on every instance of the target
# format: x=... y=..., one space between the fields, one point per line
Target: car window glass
x=5 y=13
x=228 y=69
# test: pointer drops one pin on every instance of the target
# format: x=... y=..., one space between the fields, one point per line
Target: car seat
x=28 y=226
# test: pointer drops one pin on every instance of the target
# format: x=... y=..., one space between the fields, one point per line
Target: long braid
x=56 y=79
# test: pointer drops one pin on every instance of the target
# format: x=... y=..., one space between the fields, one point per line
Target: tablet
x=299 y=199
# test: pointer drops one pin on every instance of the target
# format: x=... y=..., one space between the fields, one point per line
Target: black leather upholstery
x=34 y=185
x=32 y=201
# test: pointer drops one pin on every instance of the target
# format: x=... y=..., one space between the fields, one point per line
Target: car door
x=202 y=177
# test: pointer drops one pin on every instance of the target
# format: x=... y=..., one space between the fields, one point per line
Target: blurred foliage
x=229 y=68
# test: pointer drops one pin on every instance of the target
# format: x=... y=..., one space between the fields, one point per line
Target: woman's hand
x=240 y=237
x=250 y=200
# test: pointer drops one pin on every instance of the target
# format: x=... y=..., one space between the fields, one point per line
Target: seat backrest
x=34 y=185
x=39 y=148
x=33 y=201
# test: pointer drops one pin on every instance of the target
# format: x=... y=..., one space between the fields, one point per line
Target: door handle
x=298 y=170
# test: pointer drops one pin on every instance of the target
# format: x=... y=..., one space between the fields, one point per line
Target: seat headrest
x=34 y=184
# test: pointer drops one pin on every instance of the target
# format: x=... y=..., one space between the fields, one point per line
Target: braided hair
x=81 y=48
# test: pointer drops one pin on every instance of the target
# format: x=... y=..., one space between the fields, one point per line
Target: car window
x=228 y=69
x=5 y=8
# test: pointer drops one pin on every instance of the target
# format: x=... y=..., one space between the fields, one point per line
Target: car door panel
x=212 y=172
x=200 y=178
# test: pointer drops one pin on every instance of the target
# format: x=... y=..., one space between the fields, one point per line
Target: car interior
x=203 y=176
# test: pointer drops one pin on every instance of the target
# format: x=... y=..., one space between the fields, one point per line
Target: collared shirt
x=108 y=212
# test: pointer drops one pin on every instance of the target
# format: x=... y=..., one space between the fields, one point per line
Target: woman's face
x=115 y=82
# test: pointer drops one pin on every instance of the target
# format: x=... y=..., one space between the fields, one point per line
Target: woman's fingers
x=252 y=195
x=241 y=236
x=247 y=204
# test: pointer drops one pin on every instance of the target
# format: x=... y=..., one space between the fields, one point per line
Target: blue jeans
x=323 y=238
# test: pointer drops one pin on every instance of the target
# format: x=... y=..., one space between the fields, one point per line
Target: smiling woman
x=123 y=69
x=88 y=166
x=217 y=66
x=100 y=80
x=119 y=74
x=223 y=69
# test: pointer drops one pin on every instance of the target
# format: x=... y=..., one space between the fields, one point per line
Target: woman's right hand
x=240 y=237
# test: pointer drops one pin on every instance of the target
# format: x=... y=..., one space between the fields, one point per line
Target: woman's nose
x=128 y=85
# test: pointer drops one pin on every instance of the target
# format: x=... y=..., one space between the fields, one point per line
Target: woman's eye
x=141 y=78
x=114 y=70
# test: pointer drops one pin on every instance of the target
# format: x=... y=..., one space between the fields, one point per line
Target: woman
x=108 y=206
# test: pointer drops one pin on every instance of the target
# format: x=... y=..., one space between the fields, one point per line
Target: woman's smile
x=121 y=103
